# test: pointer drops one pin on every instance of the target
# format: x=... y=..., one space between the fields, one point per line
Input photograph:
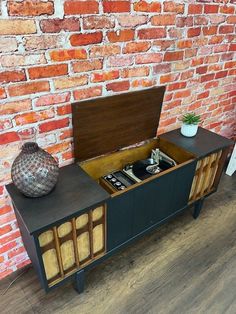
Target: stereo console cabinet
x=82 y=222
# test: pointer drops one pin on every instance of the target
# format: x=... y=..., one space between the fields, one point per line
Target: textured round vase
x=34 y=171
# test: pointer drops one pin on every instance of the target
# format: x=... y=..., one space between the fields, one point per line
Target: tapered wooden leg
x=197 y=208
x=79 y=281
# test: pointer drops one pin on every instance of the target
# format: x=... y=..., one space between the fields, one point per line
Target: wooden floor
x=187 y=266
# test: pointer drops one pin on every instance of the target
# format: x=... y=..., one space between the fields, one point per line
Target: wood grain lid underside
x=108 y=124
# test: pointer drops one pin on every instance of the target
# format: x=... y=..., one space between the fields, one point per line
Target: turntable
x=138 y=171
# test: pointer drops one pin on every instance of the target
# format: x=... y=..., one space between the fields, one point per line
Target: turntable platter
x=140 y=168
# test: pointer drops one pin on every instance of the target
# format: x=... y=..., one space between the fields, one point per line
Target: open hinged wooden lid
x=108 y=124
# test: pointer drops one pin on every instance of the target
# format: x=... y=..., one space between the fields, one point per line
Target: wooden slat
x=214 y=170
x=75 y=242
x=58 y=251
x=91 y=234
x=208 y=173
x=198 y=178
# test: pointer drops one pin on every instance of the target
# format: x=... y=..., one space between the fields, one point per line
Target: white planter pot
x=189 y=130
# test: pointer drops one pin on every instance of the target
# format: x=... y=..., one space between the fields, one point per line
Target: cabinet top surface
x=75 y=191
x=202 y=144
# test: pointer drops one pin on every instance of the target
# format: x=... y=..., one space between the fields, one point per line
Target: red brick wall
x=55 y=52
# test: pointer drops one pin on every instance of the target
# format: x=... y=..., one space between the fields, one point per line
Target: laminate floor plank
x=185 y=267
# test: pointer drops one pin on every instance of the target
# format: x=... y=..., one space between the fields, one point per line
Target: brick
x=152 y=33
x=143 y=83
x=7 y=247
x=171 y=6
x=211 y=84
x=211 y=8
x=145 y=6
x=216 y=40
x=10 y=237
x=16 y=106
x=162 y=68
x=182 y=94
x=116 y=6
x=148 y=58
x=168 y=121
x=232 y=47
x=211 y=30
x=30 y=8
x=225 y=29
x=2 y=93
x=135 y=72
x=52 y=99
x=65 y=109
x=227 y=9
x=127 y=20
x=203 y=95
x=118 y=86
x=164 y=44
x=202 y=70
x=217 y=19
x=32 y=117
x=221 y=48
x=187 y=74
x=195 y=8
x=175 y=33
x=22 y=60
x=85 y=66
x=28 y=88
x=120 y=61
x=221 y=74
x=193 y=32
x=42 y=42
x=70 y=82
x=16 y=252
x=184 y=21
x=134 y=47
x=200 y=20
x=175 y=86
x=173 y=56
x=8 y=44
x=231 y=19
x=7 y=138
x=227 y=56
x=67 y=155
x=80 y=7
x=5 y=124
x=169 y=78
x=162 y=20
x=12 y=76
x=71 y=24
x=68 y=54
x=17 y=27
x=212 y=59
x=215 y=67
x=58 y=148
x=207 y=77
x=105 y=50
x=230 y=64
x=104 y=76
x=184 y=44
x=172 y=104
x=87 y=93
x=66 y=134
x=53 y=125
x=6 y=229
x=98 y=22
x=85 y=39
x=121 y=35
x=48 y=71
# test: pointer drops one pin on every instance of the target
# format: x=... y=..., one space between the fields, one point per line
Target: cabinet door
x=119 y=220
x=152 y=202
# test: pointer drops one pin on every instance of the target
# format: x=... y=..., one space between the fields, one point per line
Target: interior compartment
x=104 y=165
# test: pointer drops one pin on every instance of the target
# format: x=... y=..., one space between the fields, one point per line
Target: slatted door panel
x=72 y=245
x=203 y=182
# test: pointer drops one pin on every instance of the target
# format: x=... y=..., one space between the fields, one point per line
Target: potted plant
x=190 y=123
